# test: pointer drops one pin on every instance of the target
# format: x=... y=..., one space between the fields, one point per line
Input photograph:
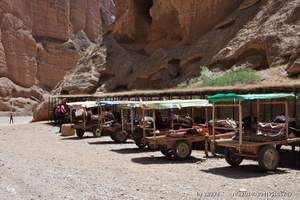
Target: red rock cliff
x=41 y=39
x=160 y=43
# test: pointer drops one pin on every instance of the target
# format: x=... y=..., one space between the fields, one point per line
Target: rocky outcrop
x=42 y=39
x=158 y=44
x=19 y=99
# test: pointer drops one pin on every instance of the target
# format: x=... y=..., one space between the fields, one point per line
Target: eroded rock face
x=166 y=23
x=20 y=49
x=17 y=98
x=158 y=44
x=42 y=39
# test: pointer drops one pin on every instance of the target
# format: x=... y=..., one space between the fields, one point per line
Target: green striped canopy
x=231 y=97
x=167 y=104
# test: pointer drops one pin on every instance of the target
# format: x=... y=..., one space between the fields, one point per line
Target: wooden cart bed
x=235 y=143
x=163 y=139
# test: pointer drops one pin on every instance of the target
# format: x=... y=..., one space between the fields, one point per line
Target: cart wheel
x=140 y=144
x=182 y=150
x=97 y=132
x=268 y=158
x=152 y=147
x=166 y=152
x=231 y=158
x=80 y=132
x=119 y=136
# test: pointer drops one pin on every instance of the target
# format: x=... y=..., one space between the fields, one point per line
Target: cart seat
x=271 y=129
x=266 y=132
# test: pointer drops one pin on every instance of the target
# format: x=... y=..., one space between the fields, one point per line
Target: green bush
x=208 y=78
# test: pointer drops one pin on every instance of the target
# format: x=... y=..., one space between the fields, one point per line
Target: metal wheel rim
x=98 y=132
x=269 y=159
x=182 y=150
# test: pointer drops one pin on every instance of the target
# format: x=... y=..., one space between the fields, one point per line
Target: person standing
x=11 y=118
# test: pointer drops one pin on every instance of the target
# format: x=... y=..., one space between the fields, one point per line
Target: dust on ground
x=36 y=163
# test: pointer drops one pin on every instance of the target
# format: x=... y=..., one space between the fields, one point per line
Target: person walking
x=11 y=118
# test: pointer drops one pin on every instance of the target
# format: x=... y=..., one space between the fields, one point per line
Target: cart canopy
x=168 y=104
x=82 y=104
x=232 y=97
x=92 y=104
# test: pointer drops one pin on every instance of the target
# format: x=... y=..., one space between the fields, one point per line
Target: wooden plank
x=235 y=143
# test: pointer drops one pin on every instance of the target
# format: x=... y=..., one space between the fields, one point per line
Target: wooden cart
x=100 y=127
x=264 y=152
x=143 y=132
x=178 y=143
x=180 y=147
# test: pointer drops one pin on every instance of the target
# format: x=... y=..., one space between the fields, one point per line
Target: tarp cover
x=232 y=97
x=168 y=104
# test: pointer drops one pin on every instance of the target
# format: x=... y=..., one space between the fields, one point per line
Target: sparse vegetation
x=233 y=77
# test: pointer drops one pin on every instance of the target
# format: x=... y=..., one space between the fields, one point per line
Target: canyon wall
x=160 y=43
x=42 y=39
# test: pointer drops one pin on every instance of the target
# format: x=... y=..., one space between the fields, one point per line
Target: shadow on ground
x=132 y=150
x=288 y=160
x=77 y=138
x=108 y=142
x=151 y=160
x=242 y=172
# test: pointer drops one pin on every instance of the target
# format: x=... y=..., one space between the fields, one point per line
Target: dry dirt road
x=36 y=163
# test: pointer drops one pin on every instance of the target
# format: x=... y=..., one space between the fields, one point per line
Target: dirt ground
x=36 y=163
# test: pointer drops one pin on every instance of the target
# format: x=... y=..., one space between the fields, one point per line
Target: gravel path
x=36 y=163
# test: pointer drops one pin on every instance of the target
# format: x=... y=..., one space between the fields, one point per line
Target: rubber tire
x=182 y=150
x=152 y=147
x=231 y=158
x=119 y=136
x=137 y=134
x=140 y=144
x=80 y=132
x=166 y=152
x=95 y=133
x=266 y=155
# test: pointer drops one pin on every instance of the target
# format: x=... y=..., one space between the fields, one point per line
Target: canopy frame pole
x=172 y=117
x=154 y=123
x=71 y=115
x=240 y=127
x=206 y=116
x=213 y=129
x=207 y=135
x=287 y=118
x=257 y=112
x=122 y=119
x=131 y=119
x=144 y=123
x=99 y=116
x=193 y=115
x=84 y=118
